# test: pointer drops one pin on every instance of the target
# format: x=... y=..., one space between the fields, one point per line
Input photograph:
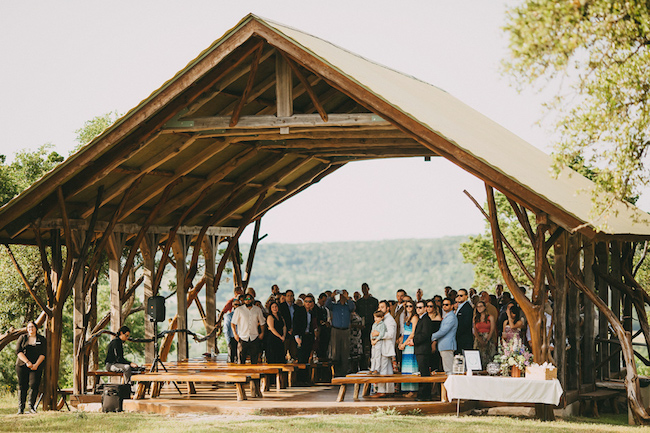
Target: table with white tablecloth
x=503 y=389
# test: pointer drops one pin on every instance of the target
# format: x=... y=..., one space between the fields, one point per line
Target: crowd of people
x=407 y=334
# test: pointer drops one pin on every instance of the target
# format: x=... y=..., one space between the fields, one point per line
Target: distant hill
x=386 y=266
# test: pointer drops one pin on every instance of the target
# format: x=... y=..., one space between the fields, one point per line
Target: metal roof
x=211 y=145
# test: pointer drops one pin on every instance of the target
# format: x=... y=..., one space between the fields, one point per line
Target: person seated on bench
x=115 y=355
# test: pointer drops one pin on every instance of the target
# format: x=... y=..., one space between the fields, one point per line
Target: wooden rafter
x=155 y=161
x=248 y=195
x=249 y=85
x=29 y=287
x=233 y=240
x=243 y=181
x=140 y=236
x=189 y=165
x=220 y=87
x=202 y=76
x=214 y=178
x=300 y=184
x=503 y=239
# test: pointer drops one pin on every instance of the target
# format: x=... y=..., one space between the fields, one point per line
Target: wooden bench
x=203 y=365
x=238 y=378
x=99 y=374
x=591 y=399
x=367 y=379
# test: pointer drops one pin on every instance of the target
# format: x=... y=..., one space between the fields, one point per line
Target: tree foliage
x=601 y=48
x=93 y=127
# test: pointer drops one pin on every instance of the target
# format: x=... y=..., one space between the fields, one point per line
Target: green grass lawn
x=134 y=422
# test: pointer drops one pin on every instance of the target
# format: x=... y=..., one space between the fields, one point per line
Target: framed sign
x=472 y=360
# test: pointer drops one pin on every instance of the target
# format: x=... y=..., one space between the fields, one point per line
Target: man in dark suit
x=306 y=329
x=291 y=313
x=422 y=349
x=465 y=315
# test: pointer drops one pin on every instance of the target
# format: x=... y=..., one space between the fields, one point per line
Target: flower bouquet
x=513 y=353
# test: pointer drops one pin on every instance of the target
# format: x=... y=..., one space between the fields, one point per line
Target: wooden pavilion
x=259 y=116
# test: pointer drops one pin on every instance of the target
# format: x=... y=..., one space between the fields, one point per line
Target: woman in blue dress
x=409 y=364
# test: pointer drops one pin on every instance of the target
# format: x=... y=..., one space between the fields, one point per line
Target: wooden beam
x=135 y=228
x=249 y=85
x=199 y=124
x=341 y=143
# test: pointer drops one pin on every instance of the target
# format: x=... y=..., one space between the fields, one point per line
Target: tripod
x=157 y=361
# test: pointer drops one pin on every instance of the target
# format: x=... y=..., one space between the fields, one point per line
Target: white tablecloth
x=504 y=389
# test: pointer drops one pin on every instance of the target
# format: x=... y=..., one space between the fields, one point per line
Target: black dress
x=436 y=360
x=275 y=346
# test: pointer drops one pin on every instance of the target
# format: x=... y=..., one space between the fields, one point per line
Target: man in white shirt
x=387 y=350
x=248 y=329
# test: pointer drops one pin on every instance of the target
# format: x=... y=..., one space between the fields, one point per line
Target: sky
x=66 y=62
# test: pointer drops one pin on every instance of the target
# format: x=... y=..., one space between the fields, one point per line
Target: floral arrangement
x=513 y=353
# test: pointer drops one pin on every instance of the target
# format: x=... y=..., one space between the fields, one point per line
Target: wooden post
x=210 y=246
x=573 y=315
x=180 y=247
x=148 y=247
x=78 y=311
x=93 y=356
x=114 y=271
x=626 y=264
x=615 y=296
x=589 y=337
x=559 y=307
x=602 y=258
x=283 y=89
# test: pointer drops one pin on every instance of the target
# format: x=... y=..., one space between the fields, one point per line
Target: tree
x=601 y=48
x=93 y=127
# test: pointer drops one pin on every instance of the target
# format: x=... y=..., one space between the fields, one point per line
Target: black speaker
x=111 y=398
x=156 y=309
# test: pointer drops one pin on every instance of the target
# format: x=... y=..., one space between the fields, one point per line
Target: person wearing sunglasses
x=409 y=363
x=422 y=348
x=245 y=322
x=446 y=335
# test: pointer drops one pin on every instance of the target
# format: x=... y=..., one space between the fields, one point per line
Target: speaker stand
x=157 y=361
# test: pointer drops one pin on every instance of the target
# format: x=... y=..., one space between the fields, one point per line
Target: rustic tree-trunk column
x=559 y=307
x=180 y=246
x=573 y=315
x=210 y=246
x=615 y=295
x=93 y=356
x=589 y=337
x=602 y=257
x=114 y=269
x=148 y=247
x=79 y=309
